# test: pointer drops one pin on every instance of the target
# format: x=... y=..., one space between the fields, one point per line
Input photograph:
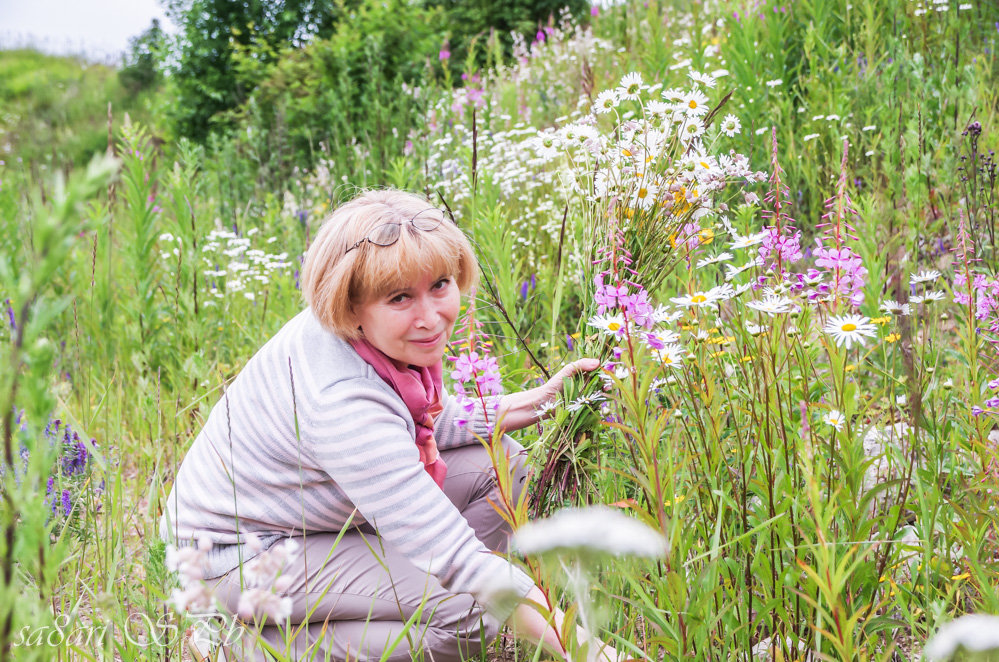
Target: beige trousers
x=357 y=594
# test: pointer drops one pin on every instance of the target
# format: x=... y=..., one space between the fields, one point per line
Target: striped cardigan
x=307 y=432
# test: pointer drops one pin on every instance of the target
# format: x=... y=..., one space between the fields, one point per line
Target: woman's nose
x=426 y=312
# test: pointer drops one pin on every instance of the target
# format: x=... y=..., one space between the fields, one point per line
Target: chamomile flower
x=772 y=304
x=924 y=277
x=721 y=257
x=670 y=356
x=692 y=130
x=662 y=315
x=545 y=409
x=895 y=308
x=673 y=95
x=707 y=80
x=849 y=329
x=746 y=242
x=611 y=325
x=695 y=300
x=585 y=401
x=730 y=126
x=834 y=419
x=630 y=86
x=605 y=102
x=644 y=195
x=660 y=339
x=928 y=297
x=694 y=104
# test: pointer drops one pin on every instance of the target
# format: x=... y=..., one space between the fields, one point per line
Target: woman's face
x=412 y=325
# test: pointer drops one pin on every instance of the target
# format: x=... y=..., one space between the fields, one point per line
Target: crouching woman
x=339 y=436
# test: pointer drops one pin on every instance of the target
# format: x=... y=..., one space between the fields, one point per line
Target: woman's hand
x=518 y=410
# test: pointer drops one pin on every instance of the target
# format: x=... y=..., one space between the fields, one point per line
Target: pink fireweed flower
x=782 y=243
x=476 y=374
x=849 y=276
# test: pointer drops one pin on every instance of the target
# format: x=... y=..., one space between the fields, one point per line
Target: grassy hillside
x=54 y=110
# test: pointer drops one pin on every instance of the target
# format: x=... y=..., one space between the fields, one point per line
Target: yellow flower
x=851 y=368
x=882 y=320
x=892 y=337
x=707 y=235
x=746 y=359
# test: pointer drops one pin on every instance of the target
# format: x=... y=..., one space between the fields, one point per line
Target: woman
x=338 y=434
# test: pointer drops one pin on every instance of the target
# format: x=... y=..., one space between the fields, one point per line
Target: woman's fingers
x=574 y=368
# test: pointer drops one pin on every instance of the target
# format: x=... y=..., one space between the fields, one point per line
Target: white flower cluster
x=194 y=594
x=264 y=581
x=235 y=266
x=594 y=530
x=657 y=158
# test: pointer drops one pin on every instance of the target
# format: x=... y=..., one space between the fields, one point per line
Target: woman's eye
x=398 y=298
x=442 y=283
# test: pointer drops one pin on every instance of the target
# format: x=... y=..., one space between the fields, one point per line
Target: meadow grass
x=806 y=413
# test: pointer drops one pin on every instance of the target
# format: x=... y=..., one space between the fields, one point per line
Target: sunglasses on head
x=387 y=234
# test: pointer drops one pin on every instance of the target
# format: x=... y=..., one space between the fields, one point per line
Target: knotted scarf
x=420 y=389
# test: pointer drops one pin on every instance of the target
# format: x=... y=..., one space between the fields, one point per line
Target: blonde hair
x=335 y=277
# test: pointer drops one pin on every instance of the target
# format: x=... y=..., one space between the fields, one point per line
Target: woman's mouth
x=427 y=342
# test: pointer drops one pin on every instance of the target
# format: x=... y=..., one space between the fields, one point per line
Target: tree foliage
x=213 y=31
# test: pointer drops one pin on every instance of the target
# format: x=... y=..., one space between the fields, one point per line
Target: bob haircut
x=336 y=277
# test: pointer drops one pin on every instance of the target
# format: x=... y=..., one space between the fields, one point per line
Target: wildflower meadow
x=771 y=222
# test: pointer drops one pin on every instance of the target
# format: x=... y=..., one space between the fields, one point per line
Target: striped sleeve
x=358 y=435
x=449 y=435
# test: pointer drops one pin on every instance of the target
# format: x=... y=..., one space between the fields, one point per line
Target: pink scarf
x=420 y=389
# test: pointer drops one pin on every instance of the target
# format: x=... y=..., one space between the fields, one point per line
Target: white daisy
x=585 y=401
x=694 y=104
x=707 y=80
x=692 y=130
x=895 y=308
x=630 y=86
x=834 y=418
x=605 y=102
x=611 y=325
x=644 y=195
x=696 y=300
x=673 y=95
x=730 y=126
x=849 y=329
x=928 y=297
x=755 y=329
x=722 y=292
x=659 y=339
x=721 y=257
x=772 y=304
x=746 y=242
x=670 y=356
x=924 y=277
x=662 y=315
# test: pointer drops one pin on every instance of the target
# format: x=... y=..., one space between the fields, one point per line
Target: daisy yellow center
x=633 y=88
x=693 y=104
x=704 y=163
x=642 y=192
x=614 y=326
x=667 y=359
x=626 y=152
x=698 y=298
x=849 y=326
